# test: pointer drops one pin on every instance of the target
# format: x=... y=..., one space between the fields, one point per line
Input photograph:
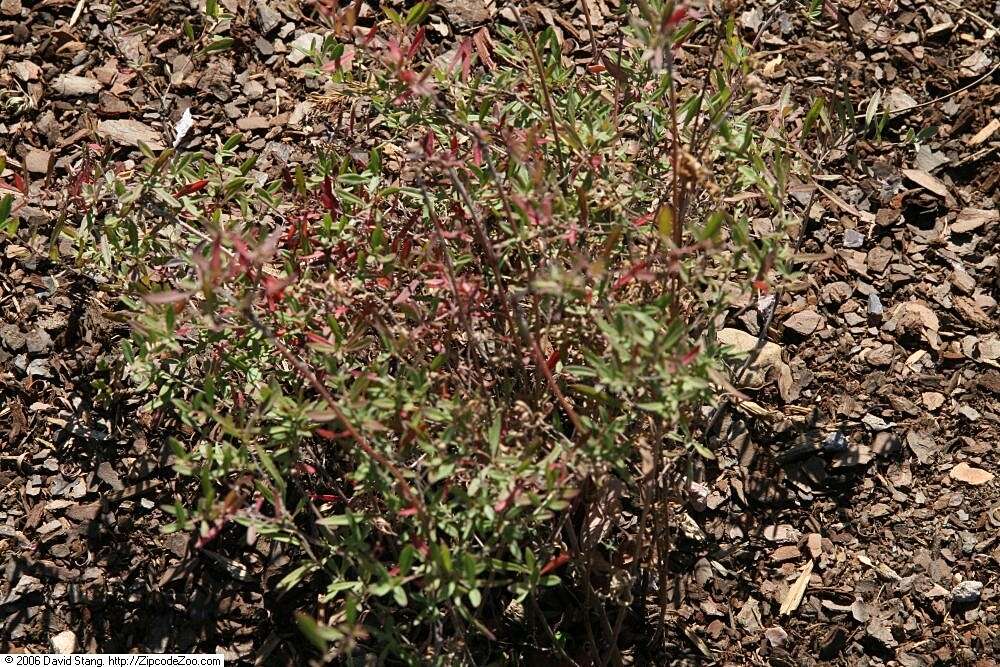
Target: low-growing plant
x=444 y=362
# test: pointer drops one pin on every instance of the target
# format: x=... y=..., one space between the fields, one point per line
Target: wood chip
x=974 y=218
x=128 y=132
x=787 y=552
x=963 y=472
x=804 y=322
x=898 y=100
x=64 y=643
x=932 y=399
x=37 y=161
x=985 y=133
x=87 y=512
x=794 y=596
x=915 y=315
x=75 y=86
x=928 y=182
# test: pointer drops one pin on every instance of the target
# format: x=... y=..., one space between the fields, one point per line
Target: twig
x=509 y=306
x=546 y=97
x=548 y=631
x=718 y=411
x=942 y=98
x=305 y=372
x=975 y=17
x=77 y=12
x=450 y=268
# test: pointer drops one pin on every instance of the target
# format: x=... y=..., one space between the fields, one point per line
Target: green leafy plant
x=430 y=363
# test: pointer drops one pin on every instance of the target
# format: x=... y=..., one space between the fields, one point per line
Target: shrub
x=442 y=363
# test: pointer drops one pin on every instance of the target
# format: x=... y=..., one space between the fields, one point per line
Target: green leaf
x=418 y=13
x=872 y=108
x=272 y=470
x=493 y=435
x=292 y=579
x=232 y=142
x=665 y=221
x=814 y=111
x=406 y=559
x=6 y=204
x=713 y=225
x=218 y=45
x=445 y=555
x=393 y=15
x=703 y=450
x=475 y=598
x=336 y=520
x=317 y=634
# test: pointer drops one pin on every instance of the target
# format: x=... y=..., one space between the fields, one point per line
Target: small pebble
x=853 y=238
x=875 y=304
x=967 y=592
x=64 y=643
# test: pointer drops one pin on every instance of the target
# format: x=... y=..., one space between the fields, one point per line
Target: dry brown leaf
x=769 y=357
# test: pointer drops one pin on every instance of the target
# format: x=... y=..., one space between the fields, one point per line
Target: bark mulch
x=852 y=515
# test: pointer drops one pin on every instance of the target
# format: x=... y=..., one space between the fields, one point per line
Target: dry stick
x=707 y=127
x=545 y=96
x=609 y=634
x=618 y=78
x=717 y=412
x=449 y=266
x=936 y=100
x=976 y=17
x=588 y=590
x=512 y=308
x=762 y=334
x=658 y=529
x=675 y=181
x=548 y=631
x=637 y=556
x=305 y=372
x=590 y=30
x=701 y=126
x=713 y=421
x=504 y=197
x=532 y=340
x=675 y=185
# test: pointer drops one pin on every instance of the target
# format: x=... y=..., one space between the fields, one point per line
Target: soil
x=852 y=514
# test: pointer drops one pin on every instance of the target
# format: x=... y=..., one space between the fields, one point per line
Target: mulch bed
x=852 y=515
